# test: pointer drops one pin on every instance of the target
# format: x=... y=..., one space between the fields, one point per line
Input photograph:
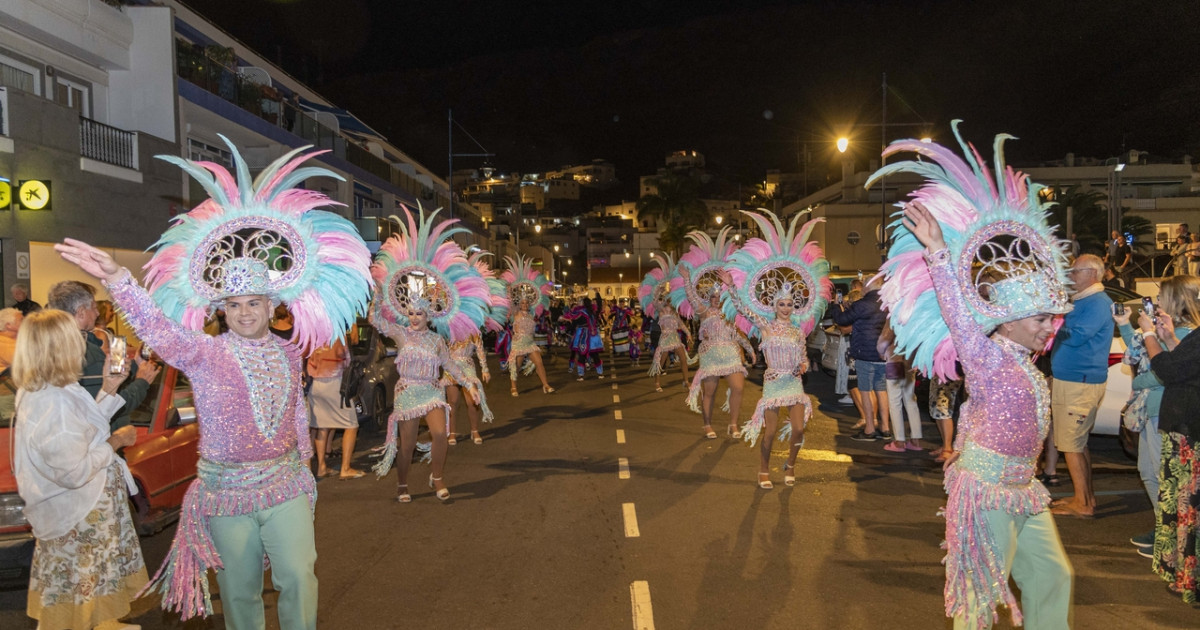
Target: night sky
x=543 y=84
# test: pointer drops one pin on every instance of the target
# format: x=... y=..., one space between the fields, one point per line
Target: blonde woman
x=87 y=564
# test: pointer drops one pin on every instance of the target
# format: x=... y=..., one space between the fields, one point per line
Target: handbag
x=895 y=371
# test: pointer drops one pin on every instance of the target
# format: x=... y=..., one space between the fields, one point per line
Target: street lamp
x=720 y=219
x=843 y=143
x=620 y=281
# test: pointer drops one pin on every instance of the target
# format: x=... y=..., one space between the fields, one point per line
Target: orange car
x=163 y=463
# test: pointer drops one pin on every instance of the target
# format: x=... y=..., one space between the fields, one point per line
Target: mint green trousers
x=285 y=534
x=1034 y=556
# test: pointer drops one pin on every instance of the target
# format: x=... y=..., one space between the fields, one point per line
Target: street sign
x=22 y=265
x=34 y=194
x=5 y=195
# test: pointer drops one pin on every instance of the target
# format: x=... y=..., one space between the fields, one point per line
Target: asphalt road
x=602 y=506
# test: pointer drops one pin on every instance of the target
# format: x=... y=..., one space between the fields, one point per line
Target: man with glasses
x=1079 y=366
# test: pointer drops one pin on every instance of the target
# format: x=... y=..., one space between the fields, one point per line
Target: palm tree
x=1090 y=217
x=676 y=210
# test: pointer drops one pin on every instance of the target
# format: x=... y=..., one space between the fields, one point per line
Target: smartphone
x=839 y=297
x=146 y=352
x=1118 y=308
x=1148 y=306
x=117 y=356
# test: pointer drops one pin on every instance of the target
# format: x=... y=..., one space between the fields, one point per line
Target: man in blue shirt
x=1079 y=365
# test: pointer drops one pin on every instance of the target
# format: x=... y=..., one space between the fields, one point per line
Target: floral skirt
x=1176 y=545
x=90 y=574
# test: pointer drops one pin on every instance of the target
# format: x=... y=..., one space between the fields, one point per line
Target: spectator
x=866 y=319
x=1193 y=255
x=76 y=298
x=1079 y=364
x=1122 y=261
x=1074 y=246
x=1110 y=277
x=1179 y=257
x=20 y=294
x=330 y=411
x=943 y=401
x=104 y=318
x=281 y=323
x=1177 y=364
x=87 y=565
x=1178 y=299
x=901 y=381
x=10 y=321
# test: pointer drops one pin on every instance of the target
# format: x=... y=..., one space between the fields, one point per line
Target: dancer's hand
x=924 y=226
x=92 y=261
x=725 y=277
x=1165 y=327
x=950 y=459
x=475 y=395
x=487 y=377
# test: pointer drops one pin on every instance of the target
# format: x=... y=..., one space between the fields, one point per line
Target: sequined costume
x=522 y=341
x=719 y=352
x=784 y=350
x=251 y=455
x=668 y=340
x=419 y=356
x=1000 y=434
x=461 y=355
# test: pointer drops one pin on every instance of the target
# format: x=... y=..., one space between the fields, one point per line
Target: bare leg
x=1080 y=465
x=856 y=396
x=946 y=426
x=681 y=356
x=767 y=439
x=736 y=382
x=708 y=387
x=868 y=411
x=349 y=437
x=536 y=357
x=408 y=442
x=796 y=418
x=319 y=448
x=436 y=421
x=473 y=411
x=879 y=399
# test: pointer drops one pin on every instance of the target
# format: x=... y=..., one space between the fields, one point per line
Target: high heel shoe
x=476 y=438
x=513 y=391
x=789 y=480
x=764 y=481
x=442 y=494
x=451 y=439
x=733 y=431
x=403 y=497
x=708 y=432
x=547 y=390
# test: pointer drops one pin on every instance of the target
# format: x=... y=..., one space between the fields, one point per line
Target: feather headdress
x=1006 y=259
x=704 y=261
x=781 y=263
x=497 y=292
x=656 y=285
x=525 y=283
x=262 y=237
x=422 y=268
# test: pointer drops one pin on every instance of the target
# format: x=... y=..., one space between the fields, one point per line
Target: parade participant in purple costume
x=586 y=344
x=249 y=245
x=780 y=283
x=696 y=293
x=654 y=294
x=424 y=278
x=974 y=274
x=529 y=295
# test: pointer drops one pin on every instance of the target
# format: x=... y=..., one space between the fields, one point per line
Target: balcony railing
x=110 y=145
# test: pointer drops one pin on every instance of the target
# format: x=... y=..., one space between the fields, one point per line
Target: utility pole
x=451 y=155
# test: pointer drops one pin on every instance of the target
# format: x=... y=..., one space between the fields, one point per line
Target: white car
x=1120 y=378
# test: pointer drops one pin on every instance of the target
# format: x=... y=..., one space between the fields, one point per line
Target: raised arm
x=698 y=304
x=736 y=296
x=477 y=341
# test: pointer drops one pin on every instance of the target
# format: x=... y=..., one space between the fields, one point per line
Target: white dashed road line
x=620 y=436
x=643 y=612
x=622 y=468
x=631 y=524
x=617 y=414
x=616 y=399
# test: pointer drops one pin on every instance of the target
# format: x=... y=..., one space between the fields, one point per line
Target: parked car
x=1120 y=378
x=374 y=357
x=162 y=461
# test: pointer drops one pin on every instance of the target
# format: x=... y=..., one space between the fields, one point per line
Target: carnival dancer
x=780 y=284
x=696 y=293
x=463 y=351
x=619 y=330
x=975 y=274
x=654 y=294
x=248 y=246
x=423 y=278
x=586 y=343
x=529 y=294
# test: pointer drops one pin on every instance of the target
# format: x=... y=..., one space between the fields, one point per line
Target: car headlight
x=10 y=511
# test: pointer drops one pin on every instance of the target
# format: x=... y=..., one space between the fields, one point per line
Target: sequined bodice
x=461 y=350
x=419 y=358
x=783 y=348
x=523 y=326
x=669 y=322
x=715 y=330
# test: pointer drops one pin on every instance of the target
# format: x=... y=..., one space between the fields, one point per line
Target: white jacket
x=62 y=455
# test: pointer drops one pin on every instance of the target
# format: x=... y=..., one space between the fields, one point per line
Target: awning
x=346 y=120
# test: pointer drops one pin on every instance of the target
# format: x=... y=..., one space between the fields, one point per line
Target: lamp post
x=451 y=155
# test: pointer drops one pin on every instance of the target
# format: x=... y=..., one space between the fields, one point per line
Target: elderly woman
x=87 y=565
x=1177 y=364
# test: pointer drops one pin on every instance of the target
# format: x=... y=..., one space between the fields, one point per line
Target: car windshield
x=8 y=399
x=144 y=414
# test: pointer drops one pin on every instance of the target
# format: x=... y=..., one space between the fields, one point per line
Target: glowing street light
x=556 y=249
x=720 y=219
x=843 y=143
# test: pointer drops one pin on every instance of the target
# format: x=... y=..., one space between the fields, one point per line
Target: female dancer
x=781 y=285
x=529 y=292
x=719 y=340
x=997 y=520
x=460 y=353
x=420 y=272
x=654 y=294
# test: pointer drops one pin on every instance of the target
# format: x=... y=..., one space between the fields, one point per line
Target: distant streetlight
x=538 y=228
x=720 y=219
x=927 y=140
x=556 y=249
x=627 y=254
x=843 y=143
